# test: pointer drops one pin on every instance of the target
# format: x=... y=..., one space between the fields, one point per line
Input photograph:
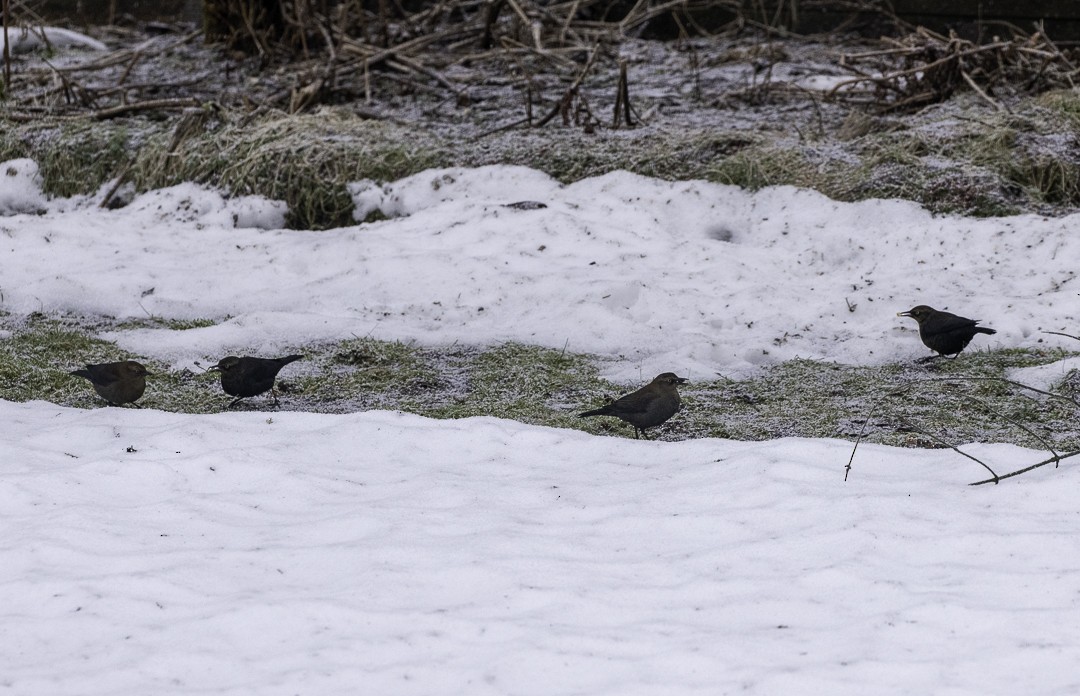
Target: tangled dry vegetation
x=547 y=84
x=298 y=105
x=313 y=53
x=925 y=67
x=920 y=68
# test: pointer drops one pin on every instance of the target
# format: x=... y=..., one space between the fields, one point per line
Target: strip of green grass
x=904 y=404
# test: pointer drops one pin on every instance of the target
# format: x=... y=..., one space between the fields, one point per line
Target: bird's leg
x=273 y=395
x=636 y=432
x=235 y=401
x=928 y=358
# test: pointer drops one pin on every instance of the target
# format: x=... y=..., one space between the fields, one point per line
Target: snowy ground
x=241 y=553
x=692 y=277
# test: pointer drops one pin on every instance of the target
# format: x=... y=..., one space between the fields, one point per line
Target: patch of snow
x=690 y=277
x=20 y=188
x=149 y=552
x=1045 y=377
x=158 y=553
x=25 y=40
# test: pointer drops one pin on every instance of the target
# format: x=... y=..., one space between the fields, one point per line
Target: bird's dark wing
x=944 y=323
x=279 y=363
x=103 y=374
x=635 y=402
x=264 y=369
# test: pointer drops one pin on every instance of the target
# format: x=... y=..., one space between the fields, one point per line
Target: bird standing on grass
x=944 y=332
x=647 y=407
x=244 y=377
x=117 y=382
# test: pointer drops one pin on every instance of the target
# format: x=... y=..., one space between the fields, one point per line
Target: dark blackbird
x=244 y=377
x=116 y=382
x=944 y=332
x=647 y=407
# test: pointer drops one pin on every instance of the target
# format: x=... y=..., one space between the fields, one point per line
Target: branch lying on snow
x=1054 y=458
x=906 y=424
x=945 y=443
x=862 y=430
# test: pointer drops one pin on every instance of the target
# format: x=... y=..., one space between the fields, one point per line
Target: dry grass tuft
x=305 y=160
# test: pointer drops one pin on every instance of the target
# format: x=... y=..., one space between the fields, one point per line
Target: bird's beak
x=680 y=380
x=213 y=368
x=903 y=314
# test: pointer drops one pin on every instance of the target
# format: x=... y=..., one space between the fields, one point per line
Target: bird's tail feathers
x=602 y=411
x=985 y=330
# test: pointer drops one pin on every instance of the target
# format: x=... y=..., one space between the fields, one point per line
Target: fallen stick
x=151 y=105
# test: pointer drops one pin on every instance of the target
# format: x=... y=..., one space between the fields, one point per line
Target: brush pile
x=315 y=53
x=300 y=55
x=927 y=68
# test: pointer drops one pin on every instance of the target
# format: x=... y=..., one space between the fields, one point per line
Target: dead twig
x=979 y=90
x=862 y=431
x=1055 y=460
x=500 y=129
x=571 y=91
x=945 y=443
x=927 y=67
x=622 y=100
x=7 y=50
x=149 y=105
x=1054 y=456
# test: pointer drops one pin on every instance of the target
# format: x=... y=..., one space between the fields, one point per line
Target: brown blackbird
x=647 y=407
x=117 y=382
x=944 y=332
x=244 y=377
